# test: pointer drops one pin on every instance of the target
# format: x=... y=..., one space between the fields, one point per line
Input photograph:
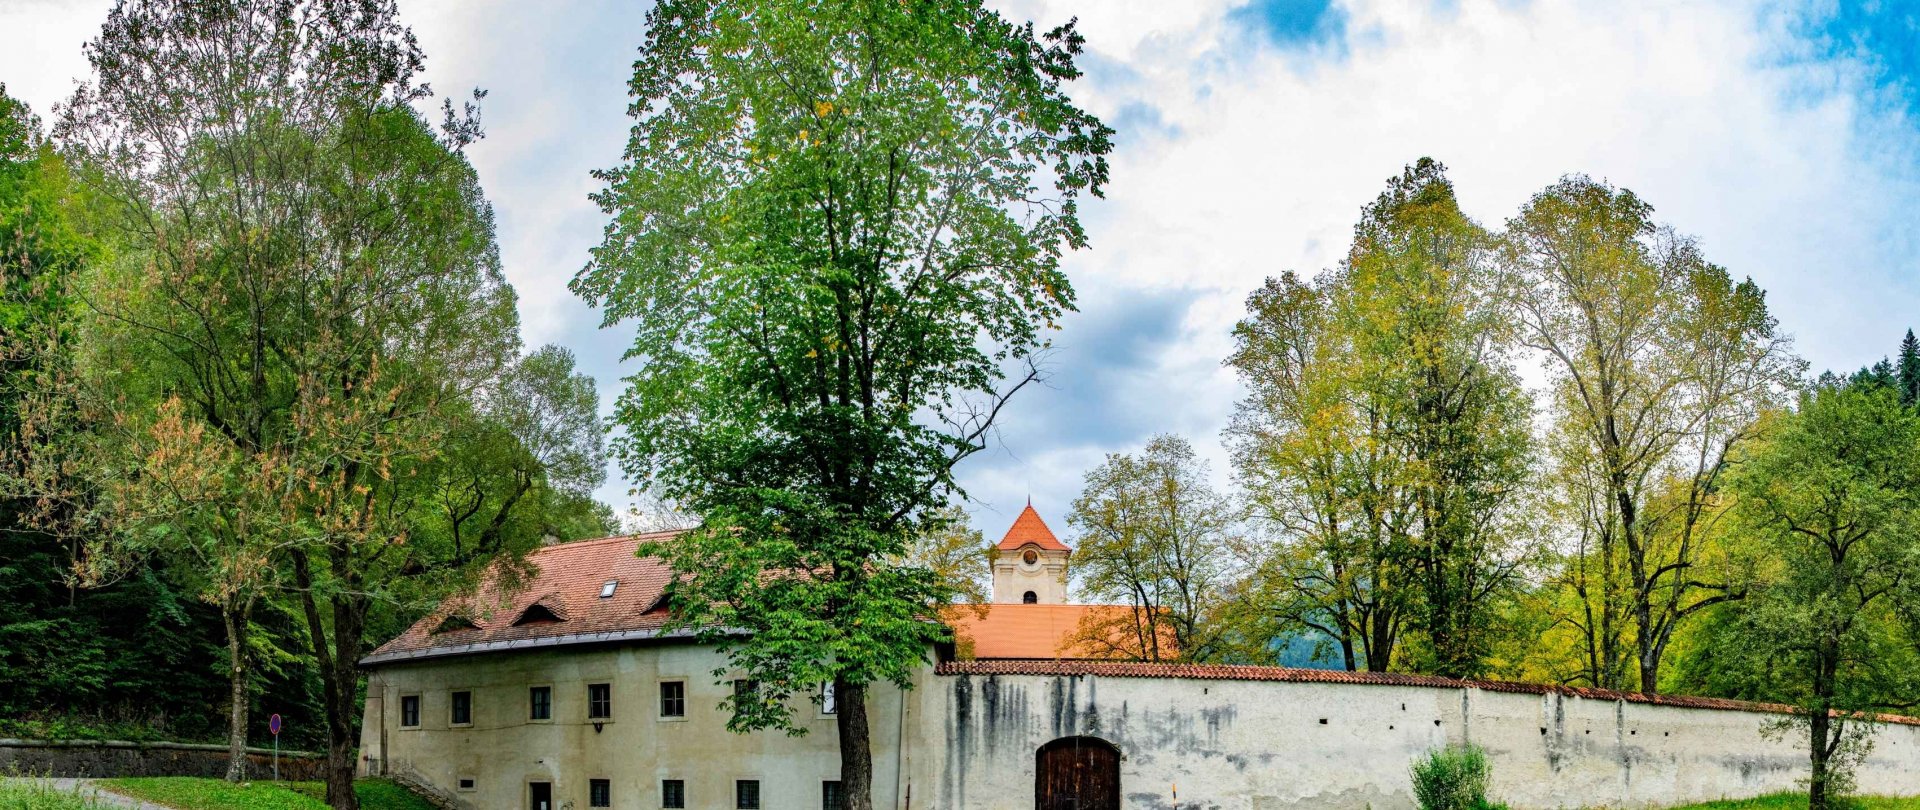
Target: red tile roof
x=1225 y=672
x=566 y=578
x=1029 y=528
x=1046 y=631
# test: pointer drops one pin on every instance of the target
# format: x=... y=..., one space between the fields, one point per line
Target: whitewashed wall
x=1264 y=745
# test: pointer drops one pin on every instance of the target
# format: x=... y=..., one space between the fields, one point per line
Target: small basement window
x=466 y=783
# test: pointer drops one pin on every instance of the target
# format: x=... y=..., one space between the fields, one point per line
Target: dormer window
x=536 y=613
x=606 y=591
x=454 y=622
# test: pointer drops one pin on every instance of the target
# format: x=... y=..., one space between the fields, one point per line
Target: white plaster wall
x=1265 y=745
x=503 y=750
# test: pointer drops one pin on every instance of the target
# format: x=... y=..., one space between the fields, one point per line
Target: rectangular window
x=673 y=699
x=466 y=783
x=599 y=701
x=409 y=711
x=746 y=794
x=673 y=794
x=540 y=703
x=462 y=709
x=827 y=704
x=745 y=692
x=599 y=793
x=830 y=798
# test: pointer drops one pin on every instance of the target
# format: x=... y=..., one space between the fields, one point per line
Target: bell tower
x=1030 y=564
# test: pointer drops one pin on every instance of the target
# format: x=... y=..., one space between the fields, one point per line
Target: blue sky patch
x=1291 y=22
x=1881 y=35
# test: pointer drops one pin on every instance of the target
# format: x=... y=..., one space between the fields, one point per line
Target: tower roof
x=1029 y=528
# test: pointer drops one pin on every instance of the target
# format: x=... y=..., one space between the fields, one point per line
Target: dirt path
x=88 y=786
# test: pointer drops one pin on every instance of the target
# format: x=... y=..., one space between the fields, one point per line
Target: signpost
x=273 y=725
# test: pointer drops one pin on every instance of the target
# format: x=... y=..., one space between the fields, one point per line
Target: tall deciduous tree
x=1657 y=362
x=838 y=225
x=1832 y=495
x=1154 y=534
x=310 y=273
x=1386 y=433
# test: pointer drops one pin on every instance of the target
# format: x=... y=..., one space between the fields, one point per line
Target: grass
x=1798 y=801
x=190 y=793
x=32 y=793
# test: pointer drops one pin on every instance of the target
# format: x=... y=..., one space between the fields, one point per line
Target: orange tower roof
x=1029 y=528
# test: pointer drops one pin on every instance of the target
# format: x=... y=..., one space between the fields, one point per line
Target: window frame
x=680 y=787
x=606 y=699
x=830 y=790
x=681 y=699
x=751 y=686
x=829 y=701
x=453 y=708
x=740 y=790
x=418 y=705
x=605 y=789
x=531 y=689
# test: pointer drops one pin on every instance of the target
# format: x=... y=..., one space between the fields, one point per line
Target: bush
x=1452 y=778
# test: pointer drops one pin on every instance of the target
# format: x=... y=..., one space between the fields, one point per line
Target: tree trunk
x=856 y=749
x=237 y=621
x=1819 y=727
x=338 y=655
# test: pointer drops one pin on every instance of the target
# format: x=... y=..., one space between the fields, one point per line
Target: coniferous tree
x=1909 y=369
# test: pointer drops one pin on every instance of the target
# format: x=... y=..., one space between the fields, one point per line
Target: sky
x=1784 y=136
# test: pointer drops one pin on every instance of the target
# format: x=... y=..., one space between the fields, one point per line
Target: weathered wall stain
x=1292 y=745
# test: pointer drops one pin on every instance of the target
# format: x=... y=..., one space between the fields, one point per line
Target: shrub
x=1452 y=778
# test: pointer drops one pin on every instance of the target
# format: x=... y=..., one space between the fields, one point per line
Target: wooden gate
x=1077 y=773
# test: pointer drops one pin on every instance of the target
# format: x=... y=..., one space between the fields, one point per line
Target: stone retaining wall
x=116 y=758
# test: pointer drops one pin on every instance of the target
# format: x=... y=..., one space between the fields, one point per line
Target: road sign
x=273 y=725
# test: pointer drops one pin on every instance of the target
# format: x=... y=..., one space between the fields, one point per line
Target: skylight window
x=607 y=589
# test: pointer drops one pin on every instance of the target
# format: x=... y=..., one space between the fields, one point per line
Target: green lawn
x=213 y=794
x=1798 y=801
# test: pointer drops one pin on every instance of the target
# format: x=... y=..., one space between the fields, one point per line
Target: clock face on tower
x=1030 y=557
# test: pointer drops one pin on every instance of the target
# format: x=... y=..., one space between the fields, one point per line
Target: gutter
x=513 y=645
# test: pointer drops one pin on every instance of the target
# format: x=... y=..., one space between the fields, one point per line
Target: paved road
x=115 y=799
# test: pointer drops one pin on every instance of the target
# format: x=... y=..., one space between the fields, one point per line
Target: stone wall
x=1270 y=744
x=108 y=759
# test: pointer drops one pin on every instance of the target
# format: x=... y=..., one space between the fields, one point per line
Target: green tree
x=1832 y=494
x=310 y=270
x=1909 y=369
x=1155 y=534
x=838 y=227
x=1388 y=430
x=1303 y=451
x=1657 y=363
